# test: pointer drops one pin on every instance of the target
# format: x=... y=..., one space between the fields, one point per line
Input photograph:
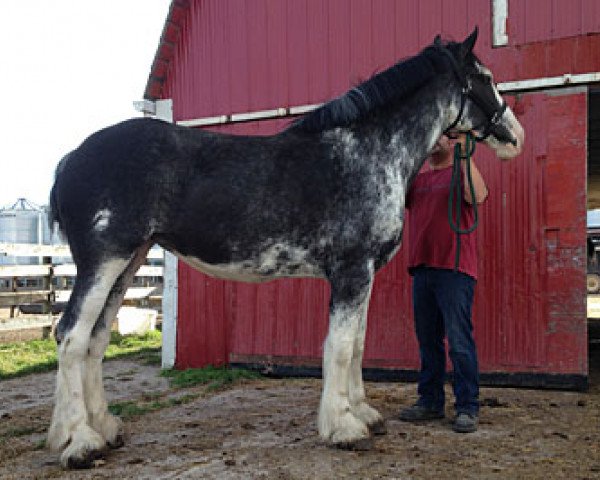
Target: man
x=442 y=298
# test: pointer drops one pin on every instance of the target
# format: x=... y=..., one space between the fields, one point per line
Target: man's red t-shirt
x=431 y=241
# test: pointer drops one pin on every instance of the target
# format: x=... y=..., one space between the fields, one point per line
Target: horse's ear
x=437 y=41
x=466 y=47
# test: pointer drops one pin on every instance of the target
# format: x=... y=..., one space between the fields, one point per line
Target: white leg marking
x=358 y=405
x=337 y=423
x=101 y=420
x=70 y=417
x=99 y=417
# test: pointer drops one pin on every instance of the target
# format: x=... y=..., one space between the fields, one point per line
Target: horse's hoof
x=378 y=428
x=360 y=445
x=84 y=461
x=118 y=442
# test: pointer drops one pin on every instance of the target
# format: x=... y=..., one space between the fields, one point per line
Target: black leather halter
x=493 y=114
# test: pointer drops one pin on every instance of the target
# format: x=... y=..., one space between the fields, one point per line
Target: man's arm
x=481 y=191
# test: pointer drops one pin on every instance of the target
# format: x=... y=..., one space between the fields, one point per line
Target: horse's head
x=482 y=110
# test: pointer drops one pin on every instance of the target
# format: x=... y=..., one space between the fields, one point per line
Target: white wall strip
x=302 y=109
x=549 y=82
x=249 y=116
x=499 y=17
x=202 y=122
x=245 y=117
x=505 y=87
x=164 y=111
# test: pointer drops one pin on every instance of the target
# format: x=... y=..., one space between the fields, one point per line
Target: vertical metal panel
x=202 y=326
x=299 y=71
x=361 y=28
x=383 y=33
x=238 y=55
x=590 y=16
x=455 y=21
x=430 y=20
x=407 y=28
x=338 y=47
x=541 y=20
x=317 y=15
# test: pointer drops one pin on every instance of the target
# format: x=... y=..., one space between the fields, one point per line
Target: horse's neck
x=407 y=136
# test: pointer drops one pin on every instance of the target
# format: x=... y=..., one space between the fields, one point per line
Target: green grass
x=135 y=408
x=15 y=432
x=35 y=356
x=214 y=377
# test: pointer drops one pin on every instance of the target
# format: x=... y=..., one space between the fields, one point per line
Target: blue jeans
x=442 y=301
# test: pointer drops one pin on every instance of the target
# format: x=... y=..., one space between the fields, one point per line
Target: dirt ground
x=266 y=429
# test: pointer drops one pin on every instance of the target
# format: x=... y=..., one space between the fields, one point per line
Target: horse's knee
x=98 y=343
x=72 y=351
x=339 y=352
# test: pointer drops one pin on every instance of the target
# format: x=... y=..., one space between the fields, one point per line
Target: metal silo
x=23 y=222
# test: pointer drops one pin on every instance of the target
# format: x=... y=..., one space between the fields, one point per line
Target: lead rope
x=455 y=199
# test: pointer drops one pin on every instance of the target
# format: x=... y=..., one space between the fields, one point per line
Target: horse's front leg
x=358 y=402
x=350 y=292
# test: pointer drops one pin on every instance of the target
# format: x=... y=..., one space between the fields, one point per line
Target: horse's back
x=197 y=190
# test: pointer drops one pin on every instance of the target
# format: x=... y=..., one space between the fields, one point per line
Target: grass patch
x=40 y=444
x=129 y=409
x=214 y=377
x=137 y=345
x=18 y=432
x=35 y=356
x=15 y=432
x=134 y=408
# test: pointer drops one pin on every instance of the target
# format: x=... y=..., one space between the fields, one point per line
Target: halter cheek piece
x=493 y=114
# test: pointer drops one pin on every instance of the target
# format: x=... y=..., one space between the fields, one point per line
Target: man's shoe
x=465 y=423
x=417 y=413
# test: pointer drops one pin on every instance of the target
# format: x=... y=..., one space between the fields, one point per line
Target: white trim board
x=504 y=87
x=163 y=110
x=565 y=80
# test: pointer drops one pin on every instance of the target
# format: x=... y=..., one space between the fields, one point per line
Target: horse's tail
x=53 y=210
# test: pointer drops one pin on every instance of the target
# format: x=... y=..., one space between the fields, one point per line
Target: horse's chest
x=387 y=204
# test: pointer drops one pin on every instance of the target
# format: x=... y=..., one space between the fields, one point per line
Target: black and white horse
x=324 y=198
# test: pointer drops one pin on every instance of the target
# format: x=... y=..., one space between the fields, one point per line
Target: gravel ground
x=267 y=429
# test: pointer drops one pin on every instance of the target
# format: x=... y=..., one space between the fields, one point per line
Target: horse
x=323 y=198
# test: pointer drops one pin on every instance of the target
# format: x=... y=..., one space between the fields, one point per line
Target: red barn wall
x=249 y=55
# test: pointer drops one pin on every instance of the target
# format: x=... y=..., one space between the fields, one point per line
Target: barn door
x=564 y=182
x=530 y=309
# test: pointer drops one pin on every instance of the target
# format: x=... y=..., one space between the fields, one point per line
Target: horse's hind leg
x=70 y=418
x=350 y=292
x=100 y=419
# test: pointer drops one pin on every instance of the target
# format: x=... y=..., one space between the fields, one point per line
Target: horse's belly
x=275 y=262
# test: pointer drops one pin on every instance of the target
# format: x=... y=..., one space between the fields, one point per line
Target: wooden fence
x=51 y=285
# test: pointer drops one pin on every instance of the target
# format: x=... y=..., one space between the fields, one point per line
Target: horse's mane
x=393 y=84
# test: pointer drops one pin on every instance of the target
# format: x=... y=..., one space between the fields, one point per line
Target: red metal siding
x=530 y=302
x=541 y=20
x=242 y=55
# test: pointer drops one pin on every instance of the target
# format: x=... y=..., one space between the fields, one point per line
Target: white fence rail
x=45 y=292
x=65 y=270
x=30 y=250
